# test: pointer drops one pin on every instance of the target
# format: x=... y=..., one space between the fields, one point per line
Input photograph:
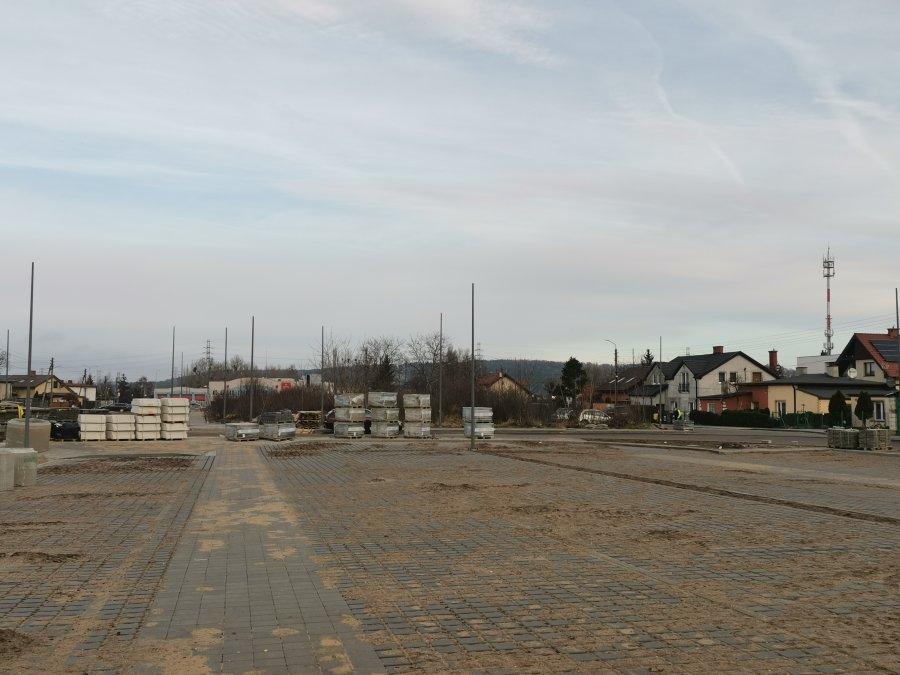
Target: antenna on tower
x=828 y=272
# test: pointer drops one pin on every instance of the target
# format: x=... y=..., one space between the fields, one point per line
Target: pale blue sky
x=621 y=170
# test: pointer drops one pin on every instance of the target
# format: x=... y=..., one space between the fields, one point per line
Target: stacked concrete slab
x=7 y=469
x=349 y=415
x=385 y=414
x=119 y=427
x=479 y=421
x=417 y=415
x=18 y=467
x=277 y=426
x=175 y=417
x=92 y=427
x=147 y=418
x=242 y=431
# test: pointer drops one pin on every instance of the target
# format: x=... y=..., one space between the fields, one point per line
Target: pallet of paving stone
x=382 y=399
x=242 y=431
x=385 y=429
x=277 y=432
x=92 y=435
x=349 y=430
x=481 y=415
x=349 y=414
x=349 y=400
x=416 y=400
x=417 y=415
x=482 y=430
x=385 y=414
x=173 y=435
x=416 y=430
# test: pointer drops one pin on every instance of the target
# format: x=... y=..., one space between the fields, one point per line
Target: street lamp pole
x=615 y=373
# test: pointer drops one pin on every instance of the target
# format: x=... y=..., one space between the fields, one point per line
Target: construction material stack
x=242 y=431
x=481 y=422
x=349 y=415
x=417 y=415
x=92 y=427
x=119 y=427
x=277 y=426
x=175 y=418
x=147 y=419
x=385 y=414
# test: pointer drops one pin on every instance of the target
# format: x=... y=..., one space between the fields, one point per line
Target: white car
x=589 y=417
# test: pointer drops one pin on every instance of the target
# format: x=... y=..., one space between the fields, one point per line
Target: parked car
x=117 y=407
x=563 y=414
x=593 y=417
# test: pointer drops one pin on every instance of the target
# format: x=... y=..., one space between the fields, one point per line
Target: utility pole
x=252 y=344
x=27 y=438
x=472 y=416
x=172 y=381
x=225 y=379
x=440 y=373
x=615 y=373
x=208 y=369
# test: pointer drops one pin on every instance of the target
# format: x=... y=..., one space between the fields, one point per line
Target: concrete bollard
x=7 y=469
x=25 y=472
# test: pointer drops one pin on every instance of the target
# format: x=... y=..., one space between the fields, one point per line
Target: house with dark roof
x=619 y=388
x=811 y=393
x=871 y=356
x=46 y=390
x=686 y=381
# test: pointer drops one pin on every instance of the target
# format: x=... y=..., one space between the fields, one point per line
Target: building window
x=754 y=405
x=757 y=376
x=722 y=376
x=780 y=408
x=869 y=368
x=878 y=412
x=685 y=383
x=732 y=377
x=711 y=407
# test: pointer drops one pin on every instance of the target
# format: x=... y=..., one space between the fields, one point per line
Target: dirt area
x=425 y=536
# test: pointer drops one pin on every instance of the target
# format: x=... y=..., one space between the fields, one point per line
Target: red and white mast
x=828 y=272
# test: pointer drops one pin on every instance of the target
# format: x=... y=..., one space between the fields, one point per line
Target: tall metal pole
x=225 y=378
x=440 y=373
x=6 y=390
x=28 y=372
x=172 y=381
x=896 y=382
x=322 y=379
x=472 y=416
x=615 y=373
x=181 y=378
x=252 y=341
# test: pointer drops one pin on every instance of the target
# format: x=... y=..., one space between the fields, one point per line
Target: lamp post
x=615 y=373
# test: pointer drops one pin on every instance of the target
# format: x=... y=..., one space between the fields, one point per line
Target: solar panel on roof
x=887 y=349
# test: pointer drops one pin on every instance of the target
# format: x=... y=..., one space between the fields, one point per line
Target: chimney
x=831 y=369
x=32 y=372
x=718 y=349
x=773 y=359
x=892 y=333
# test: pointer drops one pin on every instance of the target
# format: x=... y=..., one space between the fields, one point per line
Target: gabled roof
x=25 y=380
x=489 y=381
x=879 y=347
x=628 y=378
x=703 y=364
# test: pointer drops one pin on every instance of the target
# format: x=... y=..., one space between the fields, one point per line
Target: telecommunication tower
x=828 y=272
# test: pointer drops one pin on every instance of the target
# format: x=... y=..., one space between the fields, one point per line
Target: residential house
x=704 y=381
x=46 y=390
x=812 y=392
x=502 y=383
x=621 y=387
x=873 y=357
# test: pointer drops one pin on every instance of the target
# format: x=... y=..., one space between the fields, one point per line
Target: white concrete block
x=7 y=469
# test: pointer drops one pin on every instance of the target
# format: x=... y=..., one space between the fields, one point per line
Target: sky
x=608 y=174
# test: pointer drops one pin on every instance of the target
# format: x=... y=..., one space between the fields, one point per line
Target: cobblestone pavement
x=459 y=561
x=83 y=552
x=366 y=556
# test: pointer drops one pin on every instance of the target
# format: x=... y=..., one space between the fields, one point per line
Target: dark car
x=117 y=407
